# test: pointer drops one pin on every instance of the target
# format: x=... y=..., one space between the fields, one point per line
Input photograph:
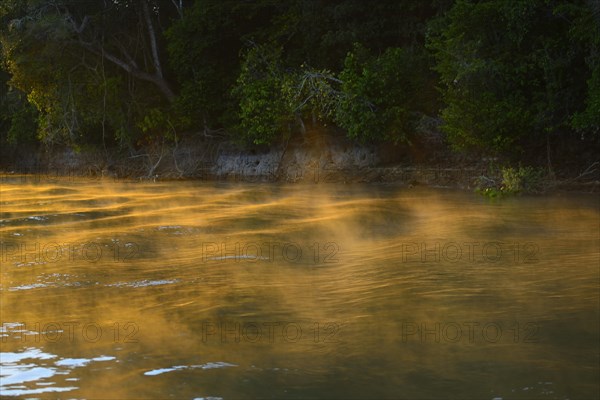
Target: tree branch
x=179 y=7
x=152 y=36
x=159 y=81
x=79 y=29
x=126 y=61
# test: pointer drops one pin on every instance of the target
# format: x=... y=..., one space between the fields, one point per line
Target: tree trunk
x=124 y=60
x=152 y=37
x=160 y=82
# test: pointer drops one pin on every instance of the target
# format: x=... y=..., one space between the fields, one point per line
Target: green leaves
x=374 y=98
x=260 y=89
x=275 y=101
x=588 y=120
x=380 y=95
x=511 y=73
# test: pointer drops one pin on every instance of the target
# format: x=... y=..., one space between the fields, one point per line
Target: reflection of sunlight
x=210 y=365
x=17 y=370
x=331 y=291
x=16 y=329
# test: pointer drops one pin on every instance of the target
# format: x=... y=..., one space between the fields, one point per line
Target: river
x=115 y=289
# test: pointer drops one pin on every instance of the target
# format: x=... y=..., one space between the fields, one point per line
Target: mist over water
x=197 y=290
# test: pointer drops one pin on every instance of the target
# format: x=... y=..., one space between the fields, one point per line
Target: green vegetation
x=511 y=72
x=383 y=96
x=527 y=180
x=513 y=181
x=517 y=79
x=264 y=109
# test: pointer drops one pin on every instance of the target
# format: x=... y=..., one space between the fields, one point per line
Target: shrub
x=512 y=181
x=522 y=180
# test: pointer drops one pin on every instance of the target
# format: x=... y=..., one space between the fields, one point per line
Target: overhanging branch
x=125 y=61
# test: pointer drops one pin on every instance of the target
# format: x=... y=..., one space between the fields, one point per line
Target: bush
x=274 y=100
x=380 y=94
x=513 y=181
x=263 y=111
x=522 y=180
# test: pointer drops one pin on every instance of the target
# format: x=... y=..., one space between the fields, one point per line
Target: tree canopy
x=503 y=77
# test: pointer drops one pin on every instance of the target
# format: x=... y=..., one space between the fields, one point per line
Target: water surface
x=198 y=290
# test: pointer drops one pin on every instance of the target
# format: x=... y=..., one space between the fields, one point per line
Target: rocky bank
x=318 y=156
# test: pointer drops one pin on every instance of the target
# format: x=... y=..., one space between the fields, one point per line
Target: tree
x=106 y=31
x=275 y=101
x=512 y=76
x=204 y=49
x=92 y=69
x=586 y=29
x=18 y=118
x=384 y=96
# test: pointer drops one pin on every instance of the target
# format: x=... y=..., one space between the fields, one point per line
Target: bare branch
x=588 y=171
x=126 y=61
x=79 y=29
x=125 y=53
x=159 y=81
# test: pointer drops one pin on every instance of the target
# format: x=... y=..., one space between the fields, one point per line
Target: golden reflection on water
x=202 y=289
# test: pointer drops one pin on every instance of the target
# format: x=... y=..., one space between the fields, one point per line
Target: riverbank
x=317 y=157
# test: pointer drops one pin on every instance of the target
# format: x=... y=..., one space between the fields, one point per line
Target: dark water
x=195 y=290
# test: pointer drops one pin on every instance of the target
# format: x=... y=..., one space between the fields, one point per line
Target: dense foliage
x=504 y=77
x=514 y=73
